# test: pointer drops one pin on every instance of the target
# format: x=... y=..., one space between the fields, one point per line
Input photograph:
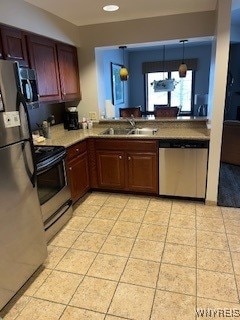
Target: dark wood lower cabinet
x=119 y=168
x=111 y=169
x=142 y=172
x=113 y=164
x=78 y=170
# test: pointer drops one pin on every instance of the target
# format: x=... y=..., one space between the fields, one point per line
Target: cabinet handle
x=0 y=55
x=120 y=157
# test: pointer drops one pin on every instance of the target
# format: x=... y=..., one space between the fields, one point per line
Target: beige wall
x=22 y=15
x=191 y=25
x=217 y=88
x=133 y=32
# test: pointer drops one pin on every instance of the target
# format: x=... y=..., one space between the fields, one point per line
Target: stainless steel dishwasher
x=183 y=168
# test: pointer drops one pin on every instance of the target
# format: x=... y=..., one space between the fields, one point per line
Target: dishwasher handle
x=184 y=144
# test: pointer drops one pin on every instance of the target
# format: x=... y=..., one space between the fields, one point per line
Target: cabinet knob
x=70 y=168
x=8 y=55
x=120 y=157
x=129 y=158
x=0 y=55
x=77 y=149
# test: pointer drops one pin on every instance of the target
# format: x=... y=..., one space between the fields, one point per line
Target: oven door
x=53 y=191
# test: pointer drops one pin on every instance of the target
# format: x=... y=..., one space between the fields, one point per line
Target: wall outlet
x=11 y=119
x=92 y=115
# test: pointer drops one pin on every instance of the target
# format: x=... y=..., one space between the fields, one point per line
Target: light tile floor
x=137 y=257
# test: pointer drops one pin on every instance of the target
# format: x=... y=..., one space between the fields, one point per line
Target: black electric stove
x=48 y=156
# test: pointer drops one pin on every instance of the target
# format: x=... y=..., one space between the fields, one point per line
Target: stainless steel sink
x=144 y=131
x=119 y=131
x=131 y=131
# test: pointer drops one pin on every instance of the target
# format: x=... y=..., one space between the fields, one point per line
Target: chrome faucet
x=131 y=121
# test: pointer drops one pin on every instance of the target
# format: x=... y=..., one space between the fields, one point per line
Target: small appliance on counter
x=71 y=119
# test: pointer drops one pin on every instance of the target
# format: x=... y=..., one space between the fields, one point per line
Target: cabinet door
x=43 y=58
x=142 y=172
x=111 y=173
x=14 y=45
x=78 y=177
x=69 y=73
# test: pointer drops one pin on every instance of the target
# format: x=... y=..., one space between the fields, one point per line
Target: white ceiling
x=87 y=12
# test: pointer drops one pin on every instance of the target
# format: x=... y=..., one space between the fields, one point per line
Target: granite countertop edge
x=60 y=136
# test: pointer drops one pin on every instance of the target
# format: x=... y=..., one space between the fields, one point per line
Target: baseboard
x=210 y=203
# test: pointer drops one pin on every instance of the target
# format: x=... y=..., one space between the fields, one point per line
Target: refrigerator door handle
x=32 y=175
x=21 y=102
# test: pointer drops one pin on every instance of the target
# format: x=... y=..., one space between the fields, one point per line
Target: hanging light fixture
x=166 y=84
x=123 y=71
x=183 y=67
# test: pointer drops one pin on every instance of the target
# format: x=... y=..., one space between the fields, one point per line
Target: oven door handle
x=50 y=165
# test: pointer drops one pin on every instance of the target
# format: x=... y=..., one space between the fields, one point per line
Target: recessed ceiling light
x=110 y=7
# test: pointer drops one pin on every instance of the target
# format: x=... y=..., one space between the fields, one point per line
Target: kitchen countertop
x=167 y=129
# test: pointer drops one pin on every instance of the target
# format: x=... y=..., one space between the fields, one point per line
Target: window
x=181 y=96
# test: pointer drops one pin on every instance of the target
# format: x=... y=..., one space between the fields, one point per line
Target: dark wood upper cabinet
x=14 y=45
x=55 y=63
x=68 y=71
x=43 y=58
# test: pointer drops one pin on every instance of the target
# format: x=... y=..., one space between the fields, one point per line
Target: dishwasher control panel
x=193 y=144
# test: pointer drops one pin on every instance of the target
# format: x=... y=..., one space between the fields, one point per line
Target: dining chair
x=166 y=112
x=128 y=112
x=156 y=106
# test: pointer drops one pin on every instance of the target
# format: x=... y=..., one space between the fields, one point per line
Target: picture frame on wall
x=117 y=84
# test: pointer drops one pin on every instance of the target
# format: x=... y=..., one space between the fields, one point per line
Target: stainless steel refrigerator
x=22 y=244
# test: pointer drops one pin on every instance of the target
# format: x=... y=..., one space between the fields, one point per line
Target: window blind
x=168 y=66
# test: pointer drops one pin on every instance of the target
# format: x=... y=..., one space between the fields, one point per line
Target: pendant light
x=123 y=71
x=183 y=67
x=166 y=84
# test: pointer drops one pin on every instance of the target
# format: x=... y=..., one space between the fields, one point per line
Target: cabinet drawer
x=76 y=150
x=126 y=144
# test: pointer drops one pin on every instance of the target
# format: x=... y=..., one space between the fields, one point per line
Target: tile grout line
x=91 y=218
x=159 y=269
x=230 y=252
x=126 y=260
x=196 y=270
x=68 y=248
x=84 y=276
x=67 y=272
